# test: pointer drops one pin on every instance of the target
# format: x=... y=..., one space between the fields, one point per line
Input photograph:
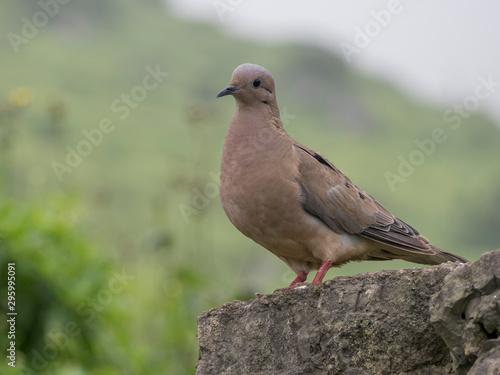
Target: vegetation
x=108 y=178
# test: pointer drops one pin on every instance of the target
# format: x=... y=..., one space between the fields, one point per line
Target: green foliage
x=55 y=270
x=80 y=310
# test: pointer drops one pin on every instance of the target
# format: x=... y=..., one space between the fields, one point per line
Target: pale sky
x=435 y=50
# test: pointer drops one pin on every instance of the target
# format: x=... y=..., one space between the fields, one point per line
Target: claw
x=302 y=276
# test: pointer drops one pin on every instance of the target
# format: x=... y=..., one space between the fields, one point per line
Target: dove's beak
x=229 y=90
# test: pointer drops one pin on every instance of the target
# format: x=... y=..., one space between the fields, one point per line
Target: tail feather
x=442 y=256
x=432 y=257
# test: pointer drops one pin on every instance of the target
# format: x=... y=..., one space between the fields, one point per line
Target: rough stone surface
x=489 y=361
x=466 y=313
x=373 y=323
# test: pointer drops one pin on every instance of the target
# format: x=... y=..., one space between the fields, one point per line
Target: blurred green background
x=119 y=252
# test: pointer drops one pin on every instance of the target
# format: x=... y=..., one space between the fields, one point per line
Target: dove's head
x=251 y=84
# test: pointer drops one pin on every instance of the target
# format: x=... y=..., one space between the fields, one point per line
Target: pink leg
x=325 y=266
x=301 y=277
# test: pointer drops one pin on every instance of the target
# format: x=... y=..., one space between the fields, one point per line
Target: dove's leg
x=325 y=266
x=298 y=281
x=301 y=277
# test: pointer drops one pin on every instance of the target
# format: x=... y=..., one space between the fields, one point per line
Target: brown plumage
x=294 y=202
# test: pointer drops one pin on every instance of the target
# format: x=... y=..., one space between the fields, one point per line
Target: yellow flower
x=20 y=96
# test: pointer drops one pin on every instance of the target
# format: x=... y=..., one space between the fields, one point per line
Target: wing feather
x=329 y=195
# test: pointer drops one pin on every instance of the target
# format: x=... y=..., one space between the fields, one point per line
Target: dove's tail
x=442 y=256
x=434 y=255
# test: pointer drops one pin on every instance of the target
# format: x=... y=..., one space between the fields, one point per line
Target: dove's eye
x=256 y=82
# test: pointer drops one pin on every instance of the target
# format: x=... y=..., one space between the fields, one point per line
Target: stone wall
x=433 y=320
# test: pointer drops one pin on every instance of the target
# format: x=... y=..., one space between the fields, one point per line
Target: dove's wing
x=329 y=195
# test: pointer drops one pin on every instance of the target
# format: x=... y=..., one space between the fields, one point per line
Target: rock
x=489 y=361
x=466 y=313
x=408 y=321
x=374 y=323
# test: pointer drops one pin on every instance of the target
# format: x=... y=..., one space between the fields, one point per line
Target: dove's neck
x=255 y=130
x=258 y=118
